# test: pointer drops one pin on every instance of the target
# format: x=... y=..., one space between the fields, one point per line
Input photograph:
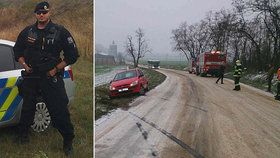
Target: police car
x=11 y=102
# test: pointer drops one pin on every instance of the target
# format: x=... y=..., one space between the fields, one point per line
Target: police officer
x=38 y=49
x=237 y=75
x=277 y=96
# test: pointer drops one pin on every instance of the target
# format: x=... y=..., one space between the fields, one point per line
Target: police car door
x=9 y=73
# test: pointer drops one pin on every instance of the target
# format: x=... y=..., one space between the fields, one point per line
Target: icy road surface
x=107 y=77
x=193 y=117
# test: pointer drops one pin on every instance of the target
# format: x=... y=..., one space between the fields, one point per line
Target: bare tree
x=191 y=40
x=270 y=11
x=181 y=41
x=262 y=29
x=250 y=32
x=138 y=50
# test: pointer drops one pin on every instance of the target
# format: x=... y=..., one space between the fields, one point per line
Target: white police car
x=11 y=102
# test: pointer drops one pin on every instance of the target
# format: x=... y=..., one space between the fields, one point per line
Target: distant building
x=113 y=49
x=104 y=59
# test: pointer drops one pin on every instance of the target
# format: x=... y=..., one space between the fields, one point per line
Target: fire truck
x=210 y=62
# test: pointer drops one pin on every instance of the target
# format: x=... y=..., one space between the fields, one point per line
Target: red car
x=128 y=82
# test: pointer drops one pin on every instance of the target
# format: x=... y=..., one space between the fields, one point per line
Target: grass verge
x=48 y=144
x=177 y=65
x=257 y=82
x=103 y=104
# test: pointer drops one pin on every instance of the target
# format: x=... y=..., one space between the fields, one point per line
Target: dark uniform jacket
x=33 y=43
x=222 y=69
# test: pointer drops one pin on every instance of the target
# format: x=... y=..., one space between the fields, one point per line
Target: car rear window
x=125 y=75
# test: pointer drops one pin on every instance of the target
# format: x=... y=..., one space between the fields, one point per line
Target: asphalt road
x=193 y=117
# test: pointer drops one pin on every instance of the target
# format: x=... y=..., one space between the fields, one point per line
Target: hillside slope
x=75 y=15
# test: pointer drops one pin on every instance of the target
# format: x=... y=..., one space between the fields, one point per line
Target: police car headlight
x=112 y=88
x=134 y=83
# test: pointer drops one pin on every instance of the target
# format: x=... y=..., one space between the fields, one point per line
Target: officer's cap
x=42 y=6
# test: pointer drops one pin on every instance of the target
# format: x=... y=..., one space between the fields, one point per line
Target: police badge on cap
x=42 y=6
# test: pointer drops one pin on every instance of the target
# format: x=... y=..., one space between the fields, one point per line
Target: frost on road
x=193 y=117
x=107 y=77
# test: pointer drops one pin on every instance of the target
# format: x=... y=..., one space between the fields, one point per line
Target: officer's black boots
x=68 y=148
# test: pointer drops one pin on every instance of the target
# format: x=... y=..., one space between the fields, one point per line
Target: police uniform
x=237 y=75
x=37 y=46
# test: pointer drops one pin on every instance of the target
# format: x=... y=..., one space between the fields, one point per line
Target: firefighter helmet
x=238 y=62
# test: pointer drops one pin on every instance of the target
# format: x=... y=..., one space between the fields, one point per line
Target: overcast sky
x=115 y=19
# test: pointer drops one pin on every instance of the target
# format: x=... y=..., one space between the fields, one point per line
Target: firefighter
x=277 y=96
x=237 y=75
x=38 y=49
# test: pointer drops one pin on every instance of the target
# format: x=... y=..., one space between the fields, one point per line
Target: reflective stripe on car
x=9 y=103
x=5 y=83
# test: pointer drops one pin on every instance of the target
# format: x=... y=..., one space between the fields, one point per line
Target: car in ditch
x=128 y=82
x=11 y=101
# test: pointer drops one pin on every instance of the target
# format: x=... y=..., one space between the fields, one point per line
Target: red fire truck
x=210 y=62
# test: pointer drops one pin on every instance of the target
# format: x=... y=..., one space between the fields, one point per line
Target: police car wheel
x=42 y=118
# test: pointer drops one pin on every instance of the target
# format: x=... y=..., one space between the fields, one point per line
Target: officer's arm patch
x=71 y=41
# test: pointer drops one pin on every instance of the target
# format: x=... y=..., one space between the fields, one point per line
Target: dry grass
x=76 y=16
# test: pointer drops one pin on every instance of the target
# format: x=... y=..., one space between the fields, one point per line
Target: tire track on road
x=172 y=137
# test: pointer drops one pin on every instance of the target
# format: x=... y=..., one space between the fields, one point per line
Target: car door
x=9 y=73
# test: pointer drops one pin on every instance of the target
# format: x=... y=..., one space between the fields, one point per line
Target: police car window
x=6 y=58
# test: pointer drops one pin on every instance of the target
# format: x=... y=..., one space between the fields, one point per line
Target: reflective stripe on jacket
x=237 y=71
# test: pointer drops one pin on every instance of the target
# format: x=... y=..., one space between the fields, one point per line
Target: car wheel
x=142 y=90
x=42 y=118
